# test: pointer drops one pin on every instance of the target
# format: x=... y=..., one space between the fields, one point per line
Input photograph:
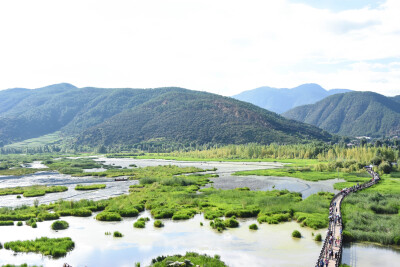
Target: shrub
x=128 y=212
x=47 y=216
x=108 y=216
x=81 y=212
x=218 y=224
x=347 y=236
x=117 y=234
x=19 y=223
x=296 y=234
x=59 y=225
x=34 y=225
x=318 y=237
x=386 y=167
x=158 y=223
x=253 y=226
x=4 y=223
x=231 y=223
x=18 y=196
x=139 y=224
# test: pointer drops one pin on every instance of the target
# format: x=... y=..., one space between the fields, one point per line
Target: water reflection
x=271 y=245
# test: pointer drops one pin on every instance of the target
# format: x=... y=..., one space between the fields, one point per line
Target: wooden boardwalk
x=331 y=252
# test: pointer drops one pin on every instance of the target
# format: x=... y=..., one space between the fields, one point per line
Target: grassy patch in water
x=108 y=216
x=158 y=224
x=32 y=191
x=90 y=187
x=56 y=247
x=253 y=226
x=117 y=234
x=72 y=166
x=59 y=225
x=296 y=234
x=194 y=258
x=6 y=223
x=155 y=172
x=306 y=174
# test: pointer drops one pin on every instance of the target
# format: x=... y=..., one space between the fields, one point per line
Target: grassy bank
x=308 y=174
x=373 y=214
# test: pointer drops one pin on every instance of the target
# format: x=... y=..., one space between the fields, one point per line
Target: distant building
x=363 y=137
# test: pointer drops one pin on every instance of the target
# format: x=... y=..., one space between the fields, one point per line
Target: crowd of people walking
x=331 y=252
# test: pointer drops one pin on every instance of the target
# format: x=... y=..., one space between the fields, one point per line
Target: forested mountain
x=97 y=116
x=397 y=98
x=280 y=100
x=352 y=114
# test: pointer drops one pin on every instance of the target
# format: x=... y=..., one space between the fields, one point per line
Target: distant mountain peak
x=280 y=100
x=63 y=86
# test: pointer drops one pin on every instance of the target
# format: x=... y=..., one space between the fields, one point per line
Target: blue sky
x=224 y=46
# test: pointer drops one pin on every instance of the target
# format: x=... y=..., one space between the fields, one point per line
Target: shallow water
x=271 y=245
x=227 y=180
x=360 y=254
x=54 y=178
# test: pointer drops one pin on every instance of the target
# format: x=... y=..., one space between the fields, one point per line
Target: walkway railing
x=338 y=199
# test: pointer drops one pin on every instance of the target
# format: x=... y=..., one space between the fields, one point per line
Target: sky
x=219 y=46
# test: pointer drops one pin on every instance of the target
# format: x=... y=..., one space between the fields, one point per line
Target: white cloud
x=219 y=46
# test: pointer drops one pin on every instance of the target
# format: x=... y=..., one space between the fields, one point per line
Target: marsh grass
x=59 y=225
x=318 y=237
x=56 y=247
x=253 y=226
x=158 y=224
x=373 y=214
x=90 y=187
x=195 y=258
x=296 y=234
x=139 y=224
x=6 y=223
x=155 y=172
x=32 y=191
x=108 y=216
x=117 y=234
x=307 y=174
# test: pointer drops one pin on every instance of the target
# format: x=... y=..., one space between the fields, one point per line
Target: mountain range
x=280 y=100
x=353 y=114
x=98 y=116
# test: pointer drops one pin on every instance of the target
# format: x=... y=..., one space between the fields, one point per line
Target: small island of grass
x=192 y=257
x=90 y=187
x=56 y=247
x=59 y=225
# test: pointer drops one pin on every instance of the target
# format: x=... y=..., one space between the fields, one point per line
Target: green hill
x=352 y=114
x=97 y=116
